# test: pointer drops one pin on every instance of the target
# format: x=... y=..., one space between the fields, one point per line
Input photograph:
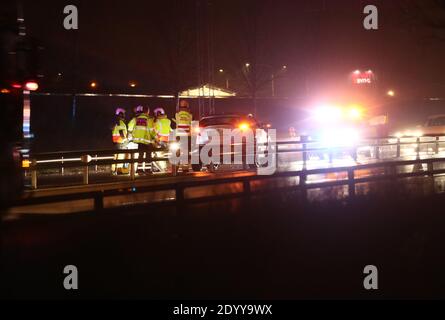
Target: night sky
x=155 y=43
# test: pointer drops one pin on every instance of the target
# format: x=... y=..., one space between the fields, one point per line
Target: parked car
x=228 y=121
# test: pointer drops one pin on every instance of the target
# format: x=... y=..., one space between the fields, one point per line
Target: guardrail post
x=150 y=154
x=302 y=184
x=398 y=148
x=351 y=183
x=62 y=169
x=304 y=147
x=418 y=147
x=132 y=166
x=86 y=172
x=430 y=166
x=85 y=159
x=437 y=145
x=391 y=171
x=377 y=149
x=33 y=175
x=354 y=154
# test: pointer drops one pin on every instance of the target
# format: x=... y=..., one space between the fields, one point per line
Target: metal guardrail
x=390 y=173
x=87 y=158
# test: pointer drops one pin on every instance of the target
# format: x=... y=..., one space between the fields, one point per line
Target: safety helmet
x=183 y=104
x=159 y=111
x=120 y=111
x=140 y=109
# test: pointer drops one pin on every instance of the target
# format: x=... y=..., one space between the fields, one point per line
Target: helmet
x=120 y=111
x=159 y=111
x=140 y=109
x=183 y=104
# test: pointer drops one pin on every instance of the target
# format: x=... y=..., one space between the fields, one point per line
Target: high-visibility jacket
x=151 y=128
x=162 y=128
x=141 y=128
x=183 y=121
x=120 y=132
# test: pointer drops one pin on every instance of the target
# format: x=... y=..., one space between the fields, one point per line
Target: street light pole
x=226 y=77
x=273 y=84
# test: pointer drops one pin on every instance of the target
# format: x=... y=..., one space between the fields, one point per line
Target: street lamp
x=274 y=72
x=93 y=84
x=391 y=93
x=221 y=71
x=283 y=69
x=133 y=84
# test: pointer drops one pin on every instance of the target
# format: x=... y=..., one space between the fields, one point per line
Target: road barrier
x=391 y=173
x=303 y=146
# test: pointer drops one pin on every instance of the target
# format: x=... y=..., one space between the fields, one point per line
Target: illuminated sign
x=363 y=81
x=359 y=77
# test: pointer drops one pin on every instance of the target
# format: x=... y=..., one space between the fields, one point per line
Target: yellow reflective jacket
x=183 y=120
x=119 y=132
x=141 y=128
x=162 y=128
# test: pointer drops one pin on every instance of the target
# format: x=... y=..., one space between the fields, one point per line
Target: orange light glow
x=244 y=126
x=26 y=163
